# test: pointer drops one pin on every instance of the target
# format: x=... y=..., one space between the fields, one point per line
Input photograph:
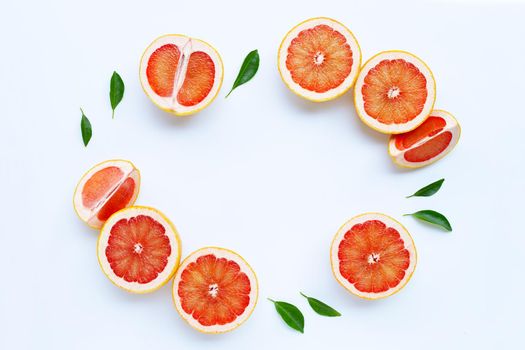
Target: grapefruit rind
x=312 y=95
x=245 y=267
x=173 y=260
x=89 y=216
x=394 y=128
x=452 y=126
x=390 y=222
x=168 y=104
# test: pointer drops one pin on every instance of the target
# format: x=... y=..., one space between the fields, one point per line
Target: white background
x=262 y=172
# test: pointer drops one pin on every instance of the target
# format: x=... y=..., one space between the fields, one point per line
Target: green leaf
x=428 y=190
x=321 y=308
x=116 y=91
x=290 y=314
x=432 y=217
x=85 y=128
x=248 y=69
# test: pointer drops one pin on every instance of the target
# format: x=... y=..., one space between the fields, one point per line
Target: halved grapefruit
x=104 y=189
x=429 y=142
x=373 y=256
x=319 y=59
x=181 y=75
x=215 y=290
x=394 y=92
x=138 y=249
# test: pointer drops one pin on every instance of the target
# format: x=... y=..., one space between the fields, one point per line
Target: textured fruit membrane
x=99 y=185
x=429 y=128
x=118 y=200
x=394 y=92
x=429 y=149
x=214 y=290
x=373 y=257
x=199 y=79
x=319 y=58
x=161 y=70
x=138 y=249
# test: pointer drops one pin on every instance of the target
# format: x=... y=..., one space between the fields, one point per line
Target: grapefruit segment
x=215 y=290
x=319 y=59
x=373 y=256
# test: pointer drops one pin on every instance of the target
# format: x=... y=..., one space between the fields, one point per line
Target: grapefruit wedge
x=181 y=75
x=394 y=92
x=215 y=290
x=104 y=189
x=373 y=256
x=429 y=142
x=319 y=59
x=138 y=249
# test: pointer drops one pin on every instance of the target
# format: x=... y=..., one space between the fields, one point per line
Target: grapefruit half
x=319 y=59
x=138 y=249
x=215 y=290
x=104 y=189
x=181 y=75
x=394 y=92
x=373 y=256
x=429 y=142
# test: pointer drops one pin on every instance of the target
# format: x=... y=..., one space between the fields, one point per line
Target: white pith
x=219 y=253
x=452 y=125
x=89 y=215
x=335 y=92
x=173 y=259
x=394 y=128
x=186 y=46
x=389 y=222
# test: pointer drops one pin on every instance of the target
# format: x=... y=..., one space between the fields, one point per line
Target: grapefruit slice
x=394 y=92
x=181 y=75
x=373 y=256
x=105 y=189
x=319 y=59
x=429 y=142
x=138 y=249
x=215 y=290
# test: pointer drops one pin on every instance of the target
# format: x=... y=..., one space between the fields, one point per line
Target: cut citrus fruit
x=429 y=142
x=215 y=290
x=394 y=92
x=373 y=256
x=138 y=249
x=319 y=59
x=104 y=189
x=181 y=75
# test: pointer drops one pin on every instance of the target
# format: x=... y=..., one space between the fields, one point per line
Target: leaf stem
x=273 y=301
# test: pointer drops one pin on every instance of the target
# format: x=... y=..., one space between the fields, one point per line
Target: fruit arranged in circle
x=395 y=92
x=215 y=290
x=138 y=249
x=373 y=256
x=181 y=75
x=429 y=142
x=319 y=59
x=105 y=189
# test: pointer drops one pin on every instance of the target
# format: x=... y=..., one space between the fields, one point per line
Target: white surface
x=262 y=172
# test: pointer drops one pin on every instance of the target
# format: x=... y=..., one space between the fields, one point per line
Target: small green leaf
x=432 y=217
x=248 y=69
x=85 y=128
x=290 y=314
x=428 y=190
x=321 y=308
x=116 y=91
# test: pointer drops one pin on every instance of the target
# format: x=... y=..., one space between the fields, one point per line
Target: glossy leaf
x=433 y=217
x=85 y=128
x=116 y=91
x=248 y=69
x=290 y=314
x=428 y=190
x=321 y=308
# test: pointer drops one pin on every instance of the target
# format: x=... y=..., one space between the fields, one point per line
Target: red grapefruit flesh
x=215 y=290
x=429 y=142
x=105 y=189
x=373 y=256
x=138 y=249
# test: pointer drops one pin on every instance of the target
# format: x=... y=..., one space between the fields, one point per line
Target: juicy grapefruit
x=429 y=142
x=394 y=92
x=319 y=59
x=181 y=75
x=138 y=249
x=215 y=290
x=104 y=189
x=373 y=256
